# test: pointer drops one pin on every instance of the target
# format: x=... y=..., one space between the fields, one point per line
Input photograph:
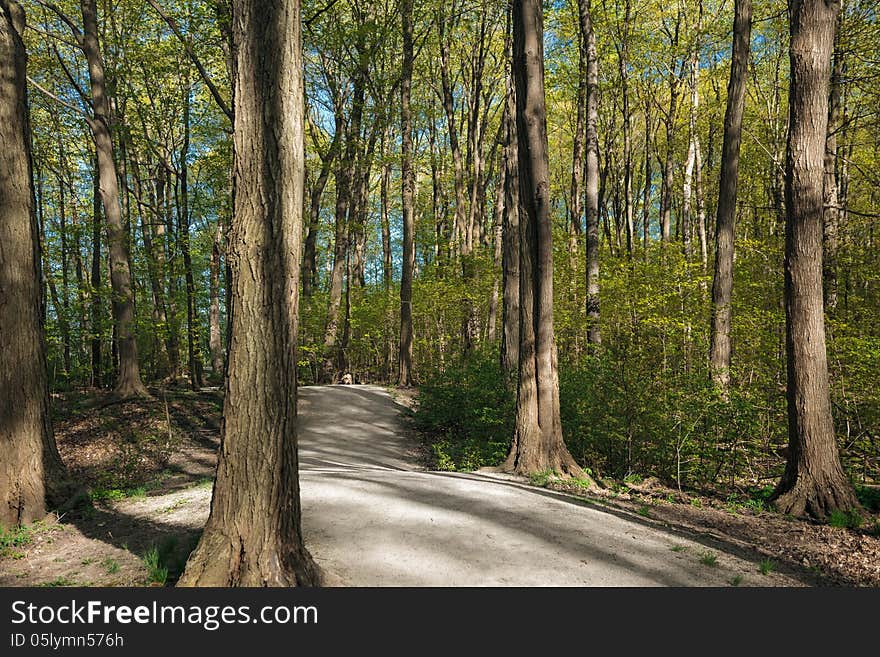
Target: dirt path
x=372 y=516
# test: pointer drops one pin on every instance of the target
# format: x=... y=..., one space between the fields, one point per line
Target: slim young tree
x=813 y=482
x=32 y=476
x=407 y=191
x=537 y=442
x=725 y=219
x=128 y=382
x=588 y=43
x=252 y=537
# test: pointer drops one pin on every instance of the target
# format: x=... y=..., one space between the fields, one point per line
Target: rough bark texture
x=128 y=381
x=32 y=477
x=591 y=177
x=537 y=443
x=405 y=351
x=814 y=483
x=831 y=216
x=725 y=218
x=510 y=241
x=215 y=339
x=252 y=537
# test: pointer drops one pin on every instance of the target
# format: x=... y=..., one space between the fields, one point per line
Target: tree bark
x=725 y=218
x=405 y=351
x=128 y=382
x=832 y=213
x=537 y=442
x=252 y=537
x=96 y=311
x=594 y=335
x=193 y=338
x=814 y=482
x=215 y=340
x=510 y=237
x=32 y=477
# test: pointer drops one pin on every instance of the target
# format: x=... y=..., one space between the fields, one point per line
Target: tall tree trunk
x=594 y=335
x=623 y=64
x=646 y=201
x=97 y=329
x=192 y=324
x=577 y=156
x=510 y=237
x=164 y=239
x=128 y=383
x=32 y=477
x=458 y=227
x=497 y=253
x=666 y=187
x=346 y=179
x=146 y=212
x=725 y=219
x=537 y=442
x=407 y=190
x=693 y=145
x=253 y=537
x=814 y=482
x=310 y=252
x=384 y=192
x=831 y=214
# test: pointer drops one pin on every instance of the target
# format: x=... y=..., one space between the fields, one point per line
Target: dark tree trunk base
x=125 y=390
x=221 y=561
x=815 y=496
x=528 y=462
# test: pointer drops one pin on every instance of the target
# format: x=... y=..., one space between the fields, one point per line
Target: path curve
x=373 y=517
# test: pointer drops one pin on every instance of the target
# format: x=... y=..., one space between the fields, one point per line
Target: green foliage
x=767 y=566
x=541 y=479
x=116 y=494
x=644 y=511
x=157 y=573
x=849 y=519
x=60 y=581
x=869 y=497
x=466 y=413
x=110 y=565
x=678 y=548
x=13 y=538
x=736 y=580
x=709 y=559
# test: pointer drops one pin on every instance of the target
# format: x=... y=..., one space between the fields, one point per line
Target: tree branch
x=77 y=34
x=218 y=98
x=48 y=93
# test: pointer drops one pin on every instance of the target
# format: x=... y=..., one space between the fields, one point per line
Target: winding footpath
x=372 y=516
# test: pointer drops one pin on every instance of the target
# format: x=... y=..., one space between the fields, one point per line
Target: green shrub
x=466 y=413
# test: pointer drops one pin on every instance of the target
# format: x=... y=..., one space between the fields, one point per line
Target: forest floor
x=148 y=467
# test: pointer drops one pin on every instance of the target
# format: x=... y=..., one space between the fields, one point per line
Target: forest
x=604 y=247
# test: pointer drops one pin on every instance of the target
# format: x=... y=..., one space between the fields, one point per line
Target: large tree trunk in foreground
x=537 y=443
x=814 y=482
x=252 y=537
x=128 y=382
x=405 y=351
x=31 y=474
x=725 y=219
